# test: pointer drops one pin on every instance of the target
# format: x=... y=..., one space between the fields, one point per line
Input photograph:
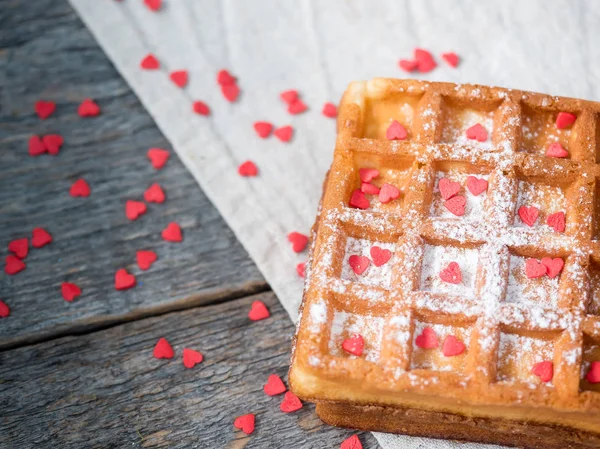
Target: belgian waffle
x=477 y=316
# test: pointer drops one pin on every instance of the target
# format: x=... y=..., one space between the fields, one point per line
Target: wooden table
x=82 y=374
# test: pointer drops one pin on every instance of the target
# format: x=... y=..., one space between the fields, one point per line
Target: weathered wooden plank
x=105 y=390
x=48 y=54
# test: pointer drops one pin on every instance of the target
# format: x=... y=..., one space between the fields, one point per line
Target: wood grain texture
x=48 y=54
x=105 y=390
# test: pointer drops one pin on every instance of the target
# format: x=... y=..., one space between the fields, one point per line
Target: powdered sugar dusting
x=459 y=120
x=518 y=354
x=548 y=199
x=345 y=325
x=541 y=291
x=474 y=208
x=376 y=276
x=437 y=258
x=434 y=359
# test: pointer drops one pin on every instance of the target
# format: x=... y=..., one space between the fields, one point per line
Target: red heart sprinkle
x=289 y=96
x=534 y=269
x=44 y=109
x=451 y=58
x=53 y=142
x=565 y=119
x=172 y=233
x=451 y=274
x=388 y=193
x=154 y=194
x=425 y=61
x=528 y=214
x=351 y=443
x=263 y=129
x=359 y=263
x=370 y=189
x=248 y=168
x=154 y=5
x=452 y=346
x=456 y=205
x=13 y=265
x=448 y=188
x=553 y=266
x=290 y=403
x=158 y=157
x=163 y=350
x=40 y=237
x=300 y=269
x=354 y=345
x=274 y=385
x=88 y=108
x=284 y=133
x=296 y=107
x=149 y=62
x=4 y=309
x=368 y=174
x=200 y=108
x=124 y=280
x=380 y=256
x=407 y=65
x=145 y=259
x=230 y=92
x=19 y=247
x=556 y=150
x=593 y=375
x=245 y=423
x=299 y=241
x=359 y=200
x=396 y=131
x=477 y=132
x=329 y=110
x=191 y=358
x=427 y=340
x=80 y=188
x=224 y=78
x=133 y=209
x=476 y=186
x=179 y=77
x=258 y=311
x=70 y=291
x=544 y=370
x=36 y=146
x=557 y=221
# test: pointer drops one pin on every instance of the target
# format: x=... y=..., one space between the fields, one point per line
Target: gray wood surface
x=105 y=390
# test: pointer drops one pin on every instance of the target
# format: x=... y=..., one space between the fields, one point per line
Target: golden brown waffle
x=508 y=322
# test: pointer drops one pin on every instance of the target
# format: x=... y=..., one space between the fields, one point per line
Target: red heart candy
x=263 y=129
x=36 y=146
x=290 y=403
x=154 y=194
x=191 y=358
x=425 y=61
x=359 y=263
x=452 y=346
x=354 y=345
x=80 y=188
x=258 y=311
x=172 y=233
x=158 y=157
x=245 y=423
x=476 y=186
x=380 y=256
x=133 y=209
x=534 y=269
x=200 y=108
x=553 y=266
x=44 y=109
x=124 y=280
x=448 y=188
x=274 y=385
x=556 y=150
x=544 y=370
x=145 y=259
x=427 y=340
x=19 y=247
x=296 y=107
x=528 y=214
x=396 y=131
x=53 y=142
x=289 y=96
x=70 y=291
x=477 y=132
x=456 y=205
x=557 y=221
x=329 y=110
x=163 y=350
x=388 y=193
x=368 y=174
x=248 y=168
x=407 y=65
x=224 y=78
x=149 y=62
x=40 y=237
x=88 y=108
x=13 y=265
x=451 y=58
x=451 y=274
x=300 y=269
x=284 y=133
x=370 y=189
x=4 y=309
x=351 y=443
x=230 y=92
x=359 y=200
x=154 y=5
x=565 y=119
x=593 y=375
x=179 y=77
x=299 y=241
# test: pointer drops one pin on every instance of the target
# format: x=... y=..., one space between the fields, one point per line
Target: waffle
x=484 y=322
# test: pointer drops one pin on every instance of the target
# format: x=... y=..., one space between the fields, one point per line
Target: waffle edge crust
x=507 y=321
